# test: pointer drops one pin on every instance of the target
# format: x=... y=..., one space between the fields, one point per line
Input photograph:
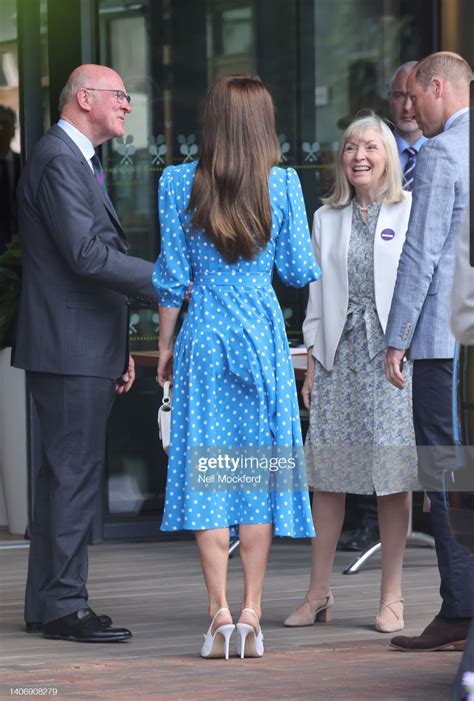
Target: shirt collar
x=82 y=142
x=402 y=144
x=454 y=116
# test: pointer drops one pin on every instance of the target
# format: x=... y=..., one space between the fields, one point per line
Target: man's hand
x=393 y=366
x=124 y=383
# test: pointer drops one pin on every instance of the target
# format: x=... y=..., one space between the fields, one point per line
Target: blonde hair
x=391 y=190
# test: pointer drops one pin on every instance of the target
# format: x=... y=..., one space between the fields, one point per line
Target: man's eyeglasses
x=398 y=95
x=119 y=94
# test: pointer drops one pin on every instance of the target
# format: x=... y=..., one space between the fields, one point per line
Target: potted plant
x=13 y=415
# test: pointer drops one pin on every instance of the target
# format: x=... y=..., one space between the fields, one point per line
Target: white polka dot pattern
x=233 y=376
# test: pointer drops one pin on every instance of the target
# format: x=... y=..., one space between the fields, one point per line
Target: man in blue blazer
x=419 y=320
x=72 y=341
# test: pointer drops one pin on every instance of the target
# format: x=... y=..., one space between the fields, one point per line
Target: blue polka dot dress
x=233 y=381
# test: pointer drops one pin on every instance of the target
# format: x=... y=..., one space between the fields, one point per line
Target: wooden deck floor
x=156 y=590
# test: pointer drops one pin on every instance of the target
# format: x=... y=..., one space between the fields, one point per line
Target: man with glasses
x=408 y=134
x=72 y=341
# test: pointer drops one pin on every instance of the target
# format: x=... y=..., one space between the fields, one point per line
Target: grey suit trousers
x=73 y=413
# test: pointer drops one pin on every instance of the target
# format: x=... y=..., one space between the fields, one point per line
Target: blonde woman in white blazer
x=361 y=437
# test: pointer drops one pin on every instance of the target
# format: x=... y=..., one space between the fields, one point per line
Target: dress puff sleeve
x=172 y=269
x=293 y=255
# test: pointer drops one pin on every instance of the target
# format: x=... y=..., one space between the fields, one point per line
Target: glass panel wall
x=323 y=61
x=358 y=45
x=9 y=123
x=9 y=88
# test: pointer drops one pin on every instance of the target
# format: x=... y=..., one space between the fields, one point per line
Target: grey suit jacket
x=420 y=313
x=462 y=320
x=77 y=276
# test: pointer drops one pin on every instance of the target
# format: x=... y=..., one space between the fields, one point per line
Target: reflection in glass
x=320 y=69
x=323 y=62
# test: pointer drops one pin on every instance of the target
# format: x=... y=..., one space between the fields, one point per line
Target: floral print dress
x=361 y=437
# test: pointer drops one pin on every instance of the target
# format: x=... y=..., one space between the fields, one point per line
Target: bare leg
x=255 y=542
x=394 y=514
x=213 y=548
x=328 y=517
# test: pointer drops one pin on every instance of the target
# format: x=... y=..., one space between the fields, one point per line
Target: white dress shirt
x=82 y=142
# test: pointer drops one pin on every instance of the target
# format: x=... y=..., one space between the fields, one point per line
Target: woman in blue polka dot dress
x=235 y=459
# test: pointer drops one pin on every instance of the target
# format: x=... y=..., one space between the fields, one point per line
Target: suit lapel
x=61 y=134
x=345 y=236
x=336 y=246
x=108 y=204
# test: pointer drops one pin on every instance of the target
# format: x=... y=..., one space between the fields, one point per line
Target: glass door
x=322 y=60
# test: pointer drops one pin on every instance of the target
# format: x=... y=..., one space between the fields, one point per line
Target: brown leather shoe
x=440 y=634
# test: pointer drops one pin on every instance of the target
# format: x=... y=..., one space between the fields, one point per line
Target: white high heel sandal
x=249 y=643
x=217 y=644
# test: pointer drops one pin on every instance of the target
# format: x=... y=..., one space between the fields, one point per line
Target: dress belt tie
x=239 y=280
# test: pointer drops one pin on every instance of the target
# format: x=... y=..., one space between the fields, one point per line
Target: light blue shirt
x=455 y=116
x=402 y=145
x=82 y=142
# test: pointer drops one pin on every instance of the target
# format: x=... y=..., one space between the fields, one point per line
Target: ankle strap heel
x=249 y=643
x=217 y=644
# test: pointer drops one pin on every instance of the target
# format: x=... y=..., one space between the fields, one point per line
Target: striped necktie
x=99 y=173
x=409 y=170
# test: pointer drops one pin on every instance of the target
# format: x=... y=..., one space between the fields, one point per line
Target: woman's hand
x=307 y=388
x=168 y=319
x=164 y=371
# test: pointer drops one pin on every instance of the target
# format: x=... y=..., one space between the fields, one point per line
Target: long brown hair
x=229 y=198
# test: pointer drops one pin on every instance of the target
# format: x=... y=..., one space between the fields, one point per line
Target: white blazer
x=328 y=302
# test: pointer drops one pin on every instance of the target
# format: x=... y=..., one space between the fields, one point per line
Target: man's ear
x=84 y=99
x=438 y=86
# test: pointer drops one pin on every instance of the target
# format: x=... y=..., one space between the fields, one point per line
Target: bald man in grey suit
x=72 y=341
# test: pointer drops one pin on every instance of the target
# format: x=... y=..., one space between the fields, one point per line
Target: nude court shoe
x=217 y=644
x=249 y=643
x=390 y=619
x=312 y=611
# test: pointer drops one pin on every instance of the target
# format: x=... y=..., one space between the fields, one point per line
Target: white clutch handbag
x=164 y=418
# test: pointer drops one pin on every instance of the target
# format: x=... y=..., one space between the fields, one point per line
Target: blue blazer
x=419 y=318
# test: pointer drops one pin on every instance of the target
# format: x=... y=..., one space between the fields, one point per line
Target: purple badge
x=387 y=234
